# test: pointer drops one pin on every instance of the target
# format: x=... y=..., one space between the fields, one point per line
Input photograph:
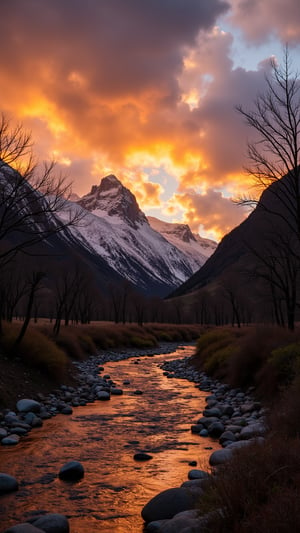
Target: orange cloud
x=269 y=18
x=130 y=87
x=211 y=211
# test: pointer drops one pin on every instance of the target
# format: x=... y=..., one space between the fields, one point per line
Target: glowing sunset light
x=146 y=91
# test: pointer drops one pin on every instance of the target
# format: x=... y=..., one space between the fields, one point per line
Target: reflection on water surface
x=104 y=436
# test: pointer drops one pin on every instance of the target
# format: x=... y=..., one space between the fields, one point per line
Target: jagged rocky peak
x=183 y=232
x=115 y=200
x=178 y=230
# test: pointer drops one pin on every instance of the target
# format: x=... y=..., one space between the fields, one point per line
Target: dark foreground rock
x=23 y=528
x=71 y=471
x=53 y=523
x=7 y=483
x=168 y=503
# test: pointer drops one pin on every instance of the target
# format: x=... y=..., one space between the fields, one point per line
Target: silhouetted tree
x=274 y=165
x=31 y=196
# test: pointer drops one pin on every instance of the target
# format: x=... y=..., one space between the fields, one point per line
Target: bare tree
x=274 y=165
x=34 y=284
x=31 y=195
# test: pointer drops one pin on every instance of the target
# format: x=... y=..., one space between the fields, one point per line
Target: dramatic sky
x=145 y=89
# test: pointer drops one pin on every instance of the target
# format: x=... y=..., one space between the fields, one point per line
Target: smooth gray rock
x=23 y=528
x=33 y=420
x=203 y=433
x=254 y=430
x=215 y=430
x=220 y=456
x=11 y=440
x=116 y=392
x=71 y=471
x=186 y=521
x=7 y=483
x=26 y=404
x=20 y=431
x=207 y=421
x=227 y=436
x=103 y=395
x=155 y=526
x=53 y=523
x=167 y=503
x=213 y=411
x=197 y=474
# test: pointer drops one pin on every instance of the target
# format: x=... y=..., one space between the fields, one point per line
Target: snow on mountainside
x=117 y=230
x=180 y=235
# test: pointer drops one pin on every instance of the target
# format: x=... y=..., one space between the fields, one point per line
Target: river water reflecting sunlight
x=104 y=436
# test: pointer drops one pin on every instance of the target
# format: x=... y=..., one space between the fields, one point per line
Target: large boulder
x=52 y=523
x=220 y=456
x=23 y=528
x=185 y=521
x=7 y=483
x=168 y=503
x=27 y=405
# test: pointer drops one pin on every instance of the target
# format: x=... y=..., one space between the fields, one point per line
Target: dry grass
x=37 y=351
x=266 y=357
x=258 y=489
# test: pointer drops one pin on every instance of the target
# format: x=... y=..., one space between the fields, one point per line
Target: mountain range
x=153 y=255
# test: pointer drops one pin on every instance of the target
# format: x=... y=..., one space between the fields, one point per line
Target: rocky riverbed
x=231 y=416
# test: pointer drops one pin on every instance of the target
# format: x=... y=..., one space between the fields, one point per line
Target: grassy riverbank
x=41 y=362
x=258 y=489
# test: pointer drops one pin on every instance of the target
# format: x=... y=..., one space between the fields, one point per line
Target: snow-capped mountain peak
x=178 y=230
x=113 y=199
x=181 y=236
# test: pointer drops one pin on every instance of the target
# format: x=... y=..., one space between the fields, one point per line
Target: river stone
x=26 y=405
x=11 y=440
x=20 y=431
x=116 y=392
x=213 y=411
x=197 y=474
x=196 y=428
x=23 y=528
x=67 y=410
x=103 y=395
x=186 y=521
x=227 y=410
x=220 y=456
x=33 y=420
x=53 y=523
x=3 y=433
x=203 y=433
x=155 y=526
x=7 y=483
x=251 y=431
x=207 y=421
x=71 y=471
x=140 y=456
x=215 y=430
x=227 y=436
x=167 y=503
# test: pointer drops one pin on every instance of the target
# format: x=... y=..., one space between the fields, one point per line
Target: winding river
x=104 y=436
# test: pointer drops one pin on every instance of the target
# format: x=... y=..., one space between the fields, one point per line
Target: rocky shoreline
x=231 y=416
